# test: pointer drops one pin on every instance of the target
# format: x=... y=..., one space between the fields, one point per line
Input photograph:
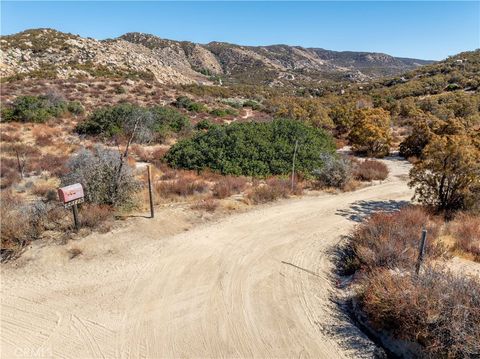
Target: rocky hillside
x=48 y=53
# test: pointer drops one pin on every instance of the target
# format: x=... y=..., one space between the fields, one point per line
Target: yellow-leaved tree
x=308 y=110
x=371 y=133
x=448 y=176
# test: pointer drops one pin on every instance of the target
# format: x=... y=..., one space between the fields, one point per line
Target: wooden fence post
x=75 y=217
x=421 y=251
x=152 y=214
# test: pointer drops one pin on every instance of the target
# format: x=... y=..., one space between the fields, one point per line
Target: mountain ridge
x=183 y=62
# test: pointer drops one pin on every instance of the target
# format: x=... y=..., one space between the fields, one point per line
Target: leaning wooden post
x=421 y=251
x=152 y=214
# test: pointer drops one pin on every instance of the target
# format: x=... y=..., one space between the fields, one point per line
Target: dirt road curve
x=252 y=285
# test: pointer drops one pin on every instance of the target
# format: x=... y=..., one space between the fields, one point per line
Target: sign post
x=71 y=196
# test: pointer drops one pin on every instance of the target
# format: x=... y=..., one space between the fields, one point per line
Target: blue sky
x=426 y=30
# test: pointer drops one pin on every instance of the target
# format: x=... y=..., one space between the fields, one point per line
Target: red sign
x=70 y=193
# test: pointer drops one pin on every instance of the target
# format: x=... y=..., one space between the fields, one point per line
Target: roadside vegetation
x=438 y=309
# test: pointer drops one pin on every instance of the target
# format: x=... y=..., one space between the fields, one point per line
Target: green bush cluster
x=222 y=112
x=254 y=105
x=186 y=103
x=205 y=125
x=113 y=120
x=40 y=108
x=253 y=149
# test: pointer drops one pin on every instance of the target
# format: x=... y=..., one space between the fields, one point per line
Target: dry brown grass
x=183 y=187
x=466 y=231
x=51 y=163
x=351 y=185
x=42 y=189
x=44 y=135
x=14 y=232
x=273 y=189
x=391 y=240
x=9 y=172
x=438 y=310
x=208 y=204
x=9 y=138
x=228 y=185
x=370 y=170
x=96 y=216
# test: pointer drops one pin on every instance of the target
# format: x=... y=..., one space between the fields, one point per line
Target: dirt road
x=251 y=285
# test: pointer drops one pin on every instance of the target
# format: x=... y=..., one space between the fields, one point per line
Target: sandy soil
x=255 y=284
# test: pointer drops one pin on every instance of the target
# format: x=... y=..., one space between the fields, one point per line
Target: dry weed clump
x=438 y=310
x=44 y=140
x=142 y=153
x=148 y=154
x=183 y=187
x=273 y=189
x=9 y=138
x=370 y=170
x=14 y=233
x=24 y=221
x=168 y=173
x=391 y=240
x=43 y=189
x=208 y=204
x=44 y=134
x=466 y=231
x=96 y=216
x=9 y=172
x=55 y=165
x=228 y=185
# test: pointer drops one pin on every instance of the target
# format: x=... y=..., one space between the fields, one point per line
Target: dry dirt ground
x=256 y=284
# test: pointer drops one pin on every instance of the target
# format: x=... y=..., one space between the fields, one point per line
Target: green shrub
x=253 y=149
x=254 y=105
x=39 y=108
x=205 y=125
x=168 y=119
x=75 y=108
x=120 y=90
x=115 y=120
x=221 y=112
x=188 y=104
x=107 y=121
